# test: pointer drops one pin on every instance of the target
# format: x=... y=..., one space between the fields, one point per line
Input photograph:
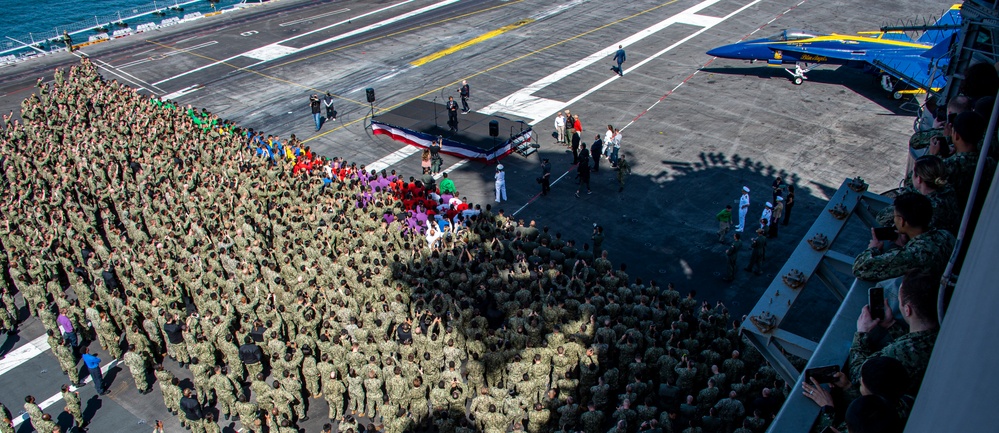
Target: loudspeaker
x=371 y=94
x=493 y=128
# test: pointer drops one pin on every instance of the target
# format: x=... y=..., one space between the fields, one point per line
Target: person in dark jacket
x=316 y=110
x=595 y=150
x=583 y=170
x=252 y=356
x=619 y=57
x=192 y=411
x=452 y=114
x=330 y=110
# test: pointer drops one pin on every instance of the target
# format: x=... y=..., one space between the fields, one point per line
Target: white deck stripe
x=270 y=52
x=651 y=58
x=23 y=354
x=454 y=167
x=523 y=103
x=181 y=92
x=130 y=79
x=404 y=153
x=381 y=24
x=219 y=62
x=699 y=20
x=286 y=40
x=171 y=53
x=570 y=170
x=314 y=17
x=639 y=64
x=392 y=158
x=538 y=115
x=556 y=10
x=58 y=396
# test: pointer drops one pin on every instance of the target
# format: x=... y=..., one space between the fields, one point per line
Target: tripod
x=435 y=114
x=371 y=116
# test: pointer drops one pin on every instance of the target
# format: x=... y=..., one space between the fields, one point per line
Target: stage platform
x=415 y=124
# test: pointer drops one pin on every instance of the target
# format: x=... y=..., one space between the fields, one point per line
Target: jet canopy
x=791 y=35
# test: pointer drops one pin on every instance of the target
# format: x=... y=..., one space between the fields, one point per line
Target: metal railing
x=818 y=257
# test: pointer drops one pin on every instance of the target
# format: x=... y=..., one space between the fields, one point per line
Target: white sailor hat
x=769 y=204
x=745 y=188
x=499 y=167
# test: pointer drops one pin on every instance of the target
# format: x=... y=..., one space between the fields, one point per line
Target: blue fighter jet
x=903 y=64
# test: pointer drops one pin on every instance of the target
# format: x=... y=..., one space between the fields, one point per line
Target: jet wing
x=916 y=71
x=902 y=63
x=925 y=71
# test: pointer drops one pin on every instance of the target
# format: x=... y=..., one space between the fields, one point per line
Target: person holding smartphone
x=917 y=246
x=917 y=303
x=880 y=376
x=888 y=371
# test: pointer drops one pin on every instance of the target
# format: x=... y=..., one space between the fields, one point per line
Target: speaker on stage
x=371 y=94
x=493 y=128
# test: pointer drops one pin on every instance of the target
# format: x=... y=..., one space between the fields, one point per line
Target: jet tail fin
x=950 y=18
x=941 y=49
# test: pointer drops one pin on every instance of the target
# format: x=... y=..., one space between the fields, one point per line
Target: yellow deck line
x=484 y=37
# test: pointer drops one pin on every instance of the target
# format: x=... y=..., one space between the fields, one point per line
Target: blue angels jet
x=902 y=62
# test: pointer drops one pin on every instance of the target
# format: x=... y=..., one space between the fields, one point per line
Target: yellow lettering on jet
x=816 y=59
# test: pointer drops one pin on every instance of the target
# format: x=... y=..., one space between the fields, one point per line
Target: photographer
x=921 y=246
x=316 y=110
x=880 y=376
x=917 y=301
x=597 y=238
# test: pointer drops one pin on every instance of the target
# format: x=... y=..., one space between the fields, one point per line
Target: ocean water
x=25 y=20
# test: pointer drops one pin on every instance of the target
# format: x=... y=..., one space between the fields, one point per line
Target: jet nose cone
x=726 y=51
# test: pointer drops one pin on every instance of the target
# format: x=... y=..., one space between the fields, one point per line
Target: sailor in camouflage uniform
x=925 y=247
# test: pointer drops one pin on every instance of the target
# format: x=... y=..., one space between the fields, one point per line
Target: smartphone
x=885 y=233
x=876 y=302
x=825 y=374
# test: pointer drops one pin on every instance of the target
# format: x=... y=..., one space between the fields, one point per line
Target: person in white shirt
x=616 y=146
x=765 y=216
x=608 y=141
x=434 y=234
x=743 y=208
x=560 y=127
x=500 y=184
